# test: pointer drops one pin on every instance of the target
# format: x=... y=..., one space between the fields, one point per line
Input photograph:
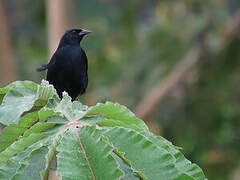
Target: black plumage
x=67 y=69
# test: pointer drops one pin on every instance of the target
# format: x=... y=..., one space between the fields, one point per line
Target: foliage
x=105 y=141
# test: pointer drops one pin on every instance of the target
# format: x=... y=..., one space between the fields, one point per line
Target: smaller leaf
x=71 y=110
x=50 y=155
x=117 y=115
x=20 y=98
x=53 y=102
x=39 y=103
x=13 y=132
x=31 y=169
x=11 y=167
x=46 y=90
x=19 y=146
x=27 y=84
x=38 y=127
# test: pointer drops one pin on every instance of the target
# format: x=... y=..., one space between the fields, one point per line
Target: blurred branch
x=148 y=104
x=58 y=21
x=236 y=175
x=7 y=65
x=232 y=28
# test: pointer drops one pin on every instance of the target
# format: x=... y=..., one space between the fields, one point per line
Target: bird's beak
x=84 y=32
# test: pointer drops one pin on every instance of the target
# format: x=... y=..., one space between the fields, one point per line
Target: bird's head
x=73 y=36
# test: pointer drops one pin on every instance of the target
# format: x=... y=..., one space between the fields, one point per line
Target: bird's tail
x=42 y=68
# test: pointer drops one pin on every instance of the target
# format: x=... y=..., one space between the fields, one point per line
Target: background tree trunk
x=7 y=66
x=58 y=21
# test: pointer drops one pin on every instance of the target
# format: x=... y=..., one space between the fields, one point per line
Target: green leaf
x=39 y=103
x=57 y=120
x=12 y=133
x=5 y=89
x=19 y=98
x=29 y=124
x=19 y=146
x=117 y=115
x=1 y=98
x=53 y=102
x=32 y=168
x=71 y=110
x=44 y=114
x=11 y=167
x=165 y=141
x=71 y=160
x=92 y=120
x=38 y=127
x=182 y=164
x=46 y=90
x=146 y=158
x=128 y=172
x=50 y=155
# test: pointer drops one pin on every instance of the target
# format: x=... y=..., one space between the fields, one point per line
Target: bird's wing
x=60 y=72
x=80 y=69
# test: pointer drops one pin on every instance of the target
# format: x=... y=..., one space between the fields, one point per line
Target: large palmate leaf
x=84 y=155
x=149 y=159
x=106 y=141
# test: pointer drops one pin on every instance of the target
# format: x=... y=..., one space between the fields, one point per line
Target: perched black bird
x=67 y=69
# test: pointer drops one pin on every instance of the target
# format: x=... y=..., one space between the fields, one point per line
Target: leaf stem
x=49 y=165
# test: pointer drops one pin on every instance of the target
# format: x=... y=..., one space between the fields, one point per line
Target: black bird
x=67 y=69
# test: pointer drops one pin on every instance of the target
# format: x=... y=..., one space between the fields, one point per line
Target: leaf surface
x=19 y=146
x=19 y=98
x=11 y=133
x=12 y=166
x=71 y=160
x=71 y=110
x=182 y=164
x=117 y=115
x=36 y=163
x=146 y=158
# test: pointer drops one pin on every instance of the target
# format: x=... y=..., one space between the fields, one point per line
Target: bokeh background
x=176 y=64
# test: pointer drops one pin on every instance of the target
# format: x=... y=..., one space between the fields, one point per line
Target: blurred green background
x=175 y=63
